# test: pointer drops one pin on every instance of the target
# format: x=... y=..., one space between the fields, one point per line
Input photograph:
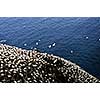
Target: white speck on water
x=86 y=37
x=39 y=40
x=37 y=43
x=71 y=51
x=53 y=44
x=49 y=46
x=35 y=48
x=25 y=44
x=99 y=39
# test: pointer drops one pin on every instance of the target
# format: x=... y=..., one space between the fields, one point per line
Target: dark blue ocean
x=75 y=39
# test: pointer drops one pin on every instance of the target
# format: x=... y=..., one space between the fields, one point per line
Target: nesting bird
x=31 y=66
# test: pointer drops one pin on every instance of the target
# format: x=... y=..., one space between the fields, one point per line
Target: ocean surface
x=75 y=39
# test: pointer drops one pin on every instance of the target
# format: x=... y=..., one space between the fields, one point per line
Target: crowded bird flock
x=31 y=66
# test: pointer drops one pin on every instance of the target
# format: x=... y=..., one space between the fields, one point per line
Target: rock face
x=26 y=66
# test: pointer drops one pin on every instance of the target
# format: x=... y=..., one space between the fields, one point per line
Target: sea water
x=75 y=39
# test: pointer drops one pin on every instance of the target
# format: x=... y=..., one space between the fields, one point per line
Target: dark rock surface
x=27 y=66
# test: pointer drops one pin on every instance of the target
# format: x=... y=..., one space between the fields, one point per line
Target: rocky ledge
x=27 y=66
